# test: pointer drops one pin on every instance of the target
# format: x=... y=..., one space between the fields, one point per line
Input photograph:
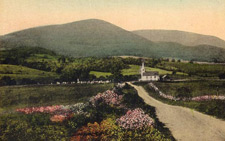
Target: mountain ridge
x=101 y=39
x=182 y=37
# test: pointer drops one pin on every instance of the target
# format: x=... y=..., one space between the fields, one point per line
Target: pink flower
x=135 y=119
x=108 y=97
x=58 y=118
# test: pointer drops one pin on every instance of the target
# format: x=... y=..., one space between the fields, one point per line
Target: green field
x=43 y=95
x=99 y=74
x=134 y=70
x=213 y=107
x=42 y=57
x=192 y=89
x=205 y=70
x=19 y=72
x=40 y=126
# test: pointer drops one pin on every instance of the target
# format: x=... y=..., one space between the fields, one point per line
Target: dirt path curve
x=184 y=123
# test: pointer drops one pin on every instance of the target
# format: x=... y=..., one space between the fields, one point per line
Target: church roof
x=150 y=73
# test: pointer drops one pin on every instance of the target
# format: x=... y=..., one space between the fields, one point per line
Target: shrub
x=106 y=130
x=108 y=97
x=135 y=119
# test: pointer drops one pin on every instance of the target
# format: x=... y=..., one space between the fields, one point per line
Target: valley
x=83 y=81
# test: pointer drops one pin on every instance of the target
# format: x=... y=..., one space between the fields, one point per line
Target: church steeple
x=142 y=67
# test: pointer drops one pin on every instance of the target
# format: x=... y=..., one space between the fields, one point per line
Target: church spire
x=143 y=67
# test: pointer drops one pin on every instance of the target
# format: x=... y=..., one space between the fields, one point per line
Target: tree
x=183 y=92
x=174 y=72
x=6 y=80
x=222 y=76
x=191 y=61
x=116 y=71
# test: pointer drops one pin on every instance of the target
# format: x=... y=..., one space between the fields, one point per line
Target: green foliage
x=134 y=70
x=109 y=130
x=222 y=76
x=100 y=74
x=20 y=74
x=213 y=107
x=203 y=70
x=132 y=100
x=18 y=55
x=192 y=88
x=48 y=95
x=6 y=80
x=30 y=127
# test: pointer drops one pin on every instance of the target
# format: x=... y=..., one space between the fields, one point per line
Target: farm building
x=148 y=75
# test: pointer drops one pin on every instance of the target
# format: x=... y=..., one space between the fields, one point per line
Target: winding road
x=184 y=123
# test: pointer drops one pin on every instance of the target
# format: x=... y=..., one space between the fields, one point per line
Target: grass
x=43 y=95
x=19 y=72
x=210 y=70
x=38 y=126
x=40 y=57
x=99 y=74
x=197 y=88
x=213 y=107
x=134 y=70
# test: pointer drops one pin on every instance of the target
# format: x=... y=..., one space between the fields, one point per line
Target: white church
x=148 y=75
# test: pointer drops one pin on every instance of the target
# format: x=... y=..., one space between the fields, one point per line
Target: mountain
x=100 y=39
x=184 y=38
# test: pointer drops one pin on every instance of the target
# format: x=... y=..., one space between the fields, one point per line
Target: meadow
x=19 y=72
x=203 y=70
x=191 y=89
x=135 y=70
x=98 y=74
x=43 y=95
x=98 y=117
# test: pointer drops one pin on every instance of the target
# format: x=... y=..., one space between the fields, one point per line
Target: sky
x=199 y=16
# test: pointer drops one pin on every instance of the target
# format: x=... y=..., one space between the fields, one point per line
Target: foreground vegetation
x=192 y=89
x=92 y=122
x=43 y=95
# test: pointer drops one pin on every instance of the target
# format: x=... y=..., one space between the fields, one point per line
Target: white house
x=148 y=75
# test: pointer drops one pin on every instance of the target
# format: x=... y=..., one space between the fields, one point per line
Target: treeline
x=71 y=69
x=17 y=56
x=68 y=68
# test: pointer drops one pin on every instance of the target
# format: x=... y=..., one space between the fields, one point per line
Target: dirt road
x=184 y=123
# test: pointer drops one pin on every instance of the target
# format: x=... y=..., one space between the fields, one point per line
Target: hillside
x=99 y=38
x=185 y=38
x=79 y=39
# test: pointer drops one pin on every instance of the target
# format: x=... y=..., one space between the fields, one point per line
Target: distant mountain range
x=182 y=37
x=100 y=39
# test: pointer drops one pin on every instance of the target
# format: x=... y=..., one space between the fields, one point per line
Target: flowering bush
x=58 y=118
x=208 y=97
x=198 y=98
x=135 y=119
x=76 y=108
x=106 y=130
x=108 y=97
x=47 y=109
x=109 y=130
x=59 y=112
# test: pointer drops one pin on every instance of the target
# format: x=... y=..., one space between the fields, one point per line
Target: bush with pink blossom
x=47 y=109
x=135 y=119
x=108 y=97
x=59 y=112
